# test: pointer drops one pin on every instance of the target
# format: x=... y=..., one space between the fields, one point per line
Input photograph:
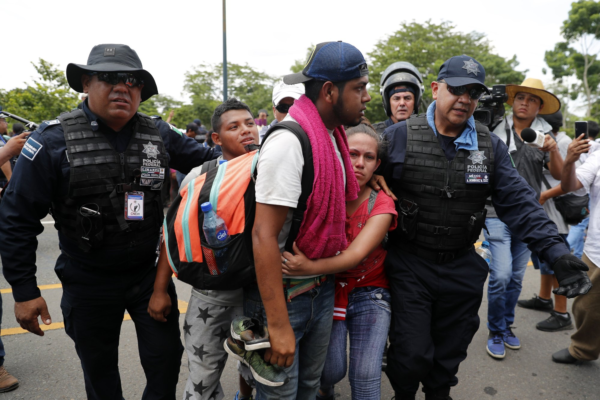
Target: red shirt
x=370 y=271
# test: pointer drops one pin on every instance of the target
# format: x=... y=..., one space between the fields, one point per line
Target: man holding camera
x=442 y=167
x=510 y=255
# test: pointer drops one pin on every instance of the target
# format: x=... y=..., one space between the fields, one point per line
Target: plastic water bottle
x=485 y=252
x=216 y=234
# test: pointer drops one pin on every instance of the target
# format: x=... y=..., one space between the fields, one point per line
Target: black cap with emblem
x=462 y=70
x=112 y=58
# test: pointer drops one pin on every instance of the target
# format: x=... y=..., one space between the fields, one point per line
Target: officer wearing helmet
x=99 y=170
x=401 y=89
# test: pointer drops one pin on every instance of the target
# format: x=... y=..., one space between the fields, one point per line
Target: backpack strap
x=207 y=166
x=308 y=176
x=372 y=199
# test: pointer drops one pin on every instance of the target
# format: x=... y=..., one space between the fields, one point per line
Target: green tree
x=300 y=64
x=577 y=56
x=45 y=99
x=205 y=85
x=159 y=104
x=427 y=46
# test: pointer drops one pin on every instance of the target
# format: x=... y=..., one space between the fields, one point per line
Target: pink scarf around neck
x=322 y=231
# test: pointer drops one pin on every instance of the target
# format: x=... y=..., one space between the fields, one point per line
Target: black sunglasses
x=113 y=78
x=475 y=92
x=283 y=108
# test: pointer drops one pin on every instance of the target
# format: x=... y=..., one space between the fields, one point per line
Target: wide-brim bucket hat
x=536 y=88
x=112 y=58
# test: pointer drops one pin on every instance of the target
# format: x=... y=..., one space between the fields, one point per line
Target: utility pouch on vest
x=90 y=227
x=407 y=218
x=475 y=225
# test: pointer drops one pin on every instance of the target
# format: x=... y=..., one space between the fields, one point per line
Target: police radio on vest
x=533 y=138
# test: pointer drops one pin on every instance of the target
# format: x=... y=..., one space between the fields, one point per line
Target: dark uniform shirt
x=515 y=201
x=380 y=126
x=40 y=179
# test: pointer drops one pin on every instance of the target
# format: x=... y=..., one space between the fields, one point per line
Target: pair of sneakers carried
x=497 y=341
x=247 y=343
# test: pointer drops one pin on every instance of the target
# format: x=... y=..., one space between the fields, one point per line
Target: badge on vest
x=152 y=173
x=155 y=184
x=151 y=151
x=477 y=158
x=134 y=206
x=481 y=178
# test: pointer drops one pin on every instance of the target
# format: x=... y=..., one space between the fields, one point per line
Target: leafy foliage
x=205 y=85
x=300 y=64
x=427 y=46
x=49 y=95
x=577 y=56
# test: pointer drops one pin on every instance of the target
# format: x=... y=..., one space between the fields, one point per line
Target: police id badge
x=134 y=206
x=482 y=178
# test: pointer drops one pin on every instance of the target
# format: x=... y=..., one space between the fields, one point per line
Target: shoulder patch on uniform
x=31 y=148
x=47 y=124
x=173 y=127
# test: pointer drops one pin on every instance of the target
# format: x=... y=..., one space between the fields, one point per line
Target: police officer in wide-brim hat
x=100 y=170
x=443 y=166
x=112 y=58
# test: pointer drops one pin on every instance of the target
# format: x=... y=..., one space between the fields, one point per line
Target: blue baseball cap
x=331 y=61
x=462 y=70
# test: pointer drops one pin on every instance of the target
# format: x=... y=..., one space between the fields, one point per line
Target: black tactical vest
x=442 y=203
x=93 y=213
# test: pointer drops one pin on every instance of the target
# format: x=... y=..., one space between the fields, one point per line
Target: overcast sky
x=173 y=36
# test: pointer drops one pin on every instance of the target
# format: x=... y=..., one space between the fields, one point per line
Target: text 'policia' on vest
x=92 y=214
x=441 y=202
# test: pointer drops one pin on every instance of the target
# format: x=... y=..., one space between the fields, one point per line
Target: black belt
x=438 y=257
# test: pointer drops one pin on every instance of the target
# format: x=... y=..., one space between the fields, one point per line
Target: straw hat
x=536 y=88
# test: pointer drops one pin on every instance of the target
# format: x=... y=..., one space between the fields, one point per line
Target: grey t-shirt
x=530 y=163
x=563 y=142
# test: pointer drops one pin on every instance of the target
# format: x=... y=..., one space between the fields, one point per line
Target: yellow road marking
x=42 y=287
x=17 y=331
x=183 y=305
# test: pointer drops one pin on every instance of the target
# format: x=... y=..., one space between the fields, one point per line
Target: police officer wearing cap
x=442 y=166
x=401 y=89
x=99 y=170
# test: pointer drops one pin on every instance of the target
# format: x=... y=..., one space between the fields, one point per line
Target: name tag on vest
x=134 y=206
x=481 y=178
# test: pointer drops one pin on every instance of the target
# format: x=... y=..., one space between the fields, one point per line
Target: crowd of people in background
x=362 y=236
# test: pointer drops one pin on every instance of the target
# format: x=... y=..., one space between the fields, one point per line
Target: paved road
x=48 y=367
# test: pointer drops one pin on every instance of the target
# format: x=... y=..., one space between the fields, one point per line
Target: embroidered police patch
x=151 y=150
x=477 y=178
x=471 y=67
x=477 y=157
x=31 y=148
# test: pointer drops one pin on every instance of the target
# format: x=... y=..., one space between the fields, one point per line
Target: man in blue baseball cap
x=442 y=167
x=305 y=175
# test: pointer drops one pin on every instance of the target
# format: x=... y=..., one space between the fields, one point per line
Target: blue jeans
x=367 y=323
x=576 y=237
x=2 y=352
x=311 y=316
x=542 y=265
x=509 y=261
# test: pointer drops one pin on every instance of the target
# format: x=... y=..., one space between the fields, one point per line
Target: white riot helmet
x=400 y=73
